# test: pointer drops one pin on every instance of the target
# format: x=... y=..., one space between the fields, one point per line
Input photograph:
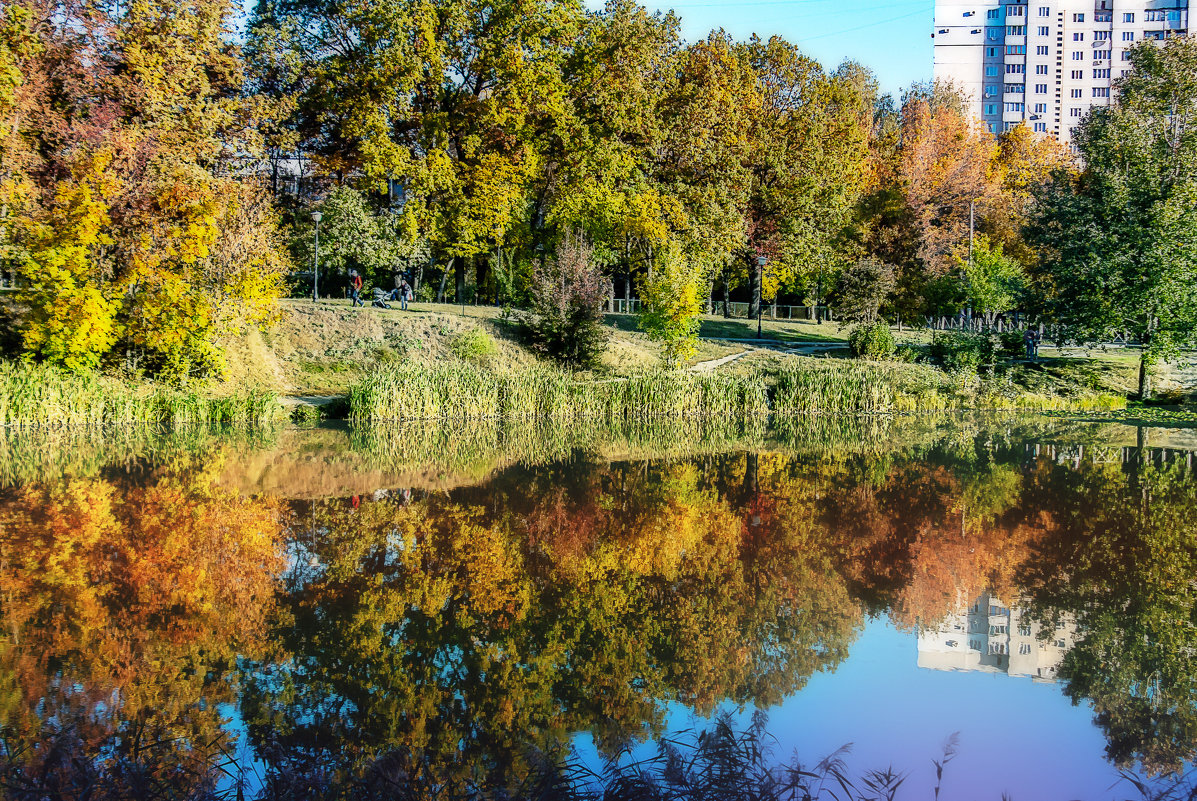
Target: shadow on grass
x=722 y=328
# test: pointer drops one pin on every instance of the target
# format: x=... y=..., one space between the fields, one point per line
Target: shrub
x=863 y=287
x=474 y=346
x=1012 y=343
x=565 y=321
x=961 y=352
x=872 y=341
x=672 y=304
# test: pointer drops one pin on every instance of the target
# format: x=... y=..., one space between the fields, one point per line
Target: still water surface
x=293 y=614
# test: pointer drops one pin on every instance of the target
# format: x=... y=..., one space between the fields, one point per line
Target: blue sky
x=892 y=38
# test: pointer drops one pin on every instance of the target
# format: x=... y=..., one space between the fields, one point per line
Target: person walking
x=355 y=291
x=1028 y=340
x=404 y=294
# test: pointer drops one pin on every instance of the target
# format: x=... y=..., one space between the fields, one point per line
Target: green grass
x=41 y=396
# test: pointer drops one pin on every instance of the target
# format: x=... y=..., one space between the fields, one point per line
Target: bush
x=961 y=352
x=566 y=319
x=474 y=346
x=1011 y=343
x=873 y=341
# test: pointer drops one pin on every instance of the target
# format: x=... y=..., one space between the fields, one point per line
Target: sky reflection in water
x=434 y=602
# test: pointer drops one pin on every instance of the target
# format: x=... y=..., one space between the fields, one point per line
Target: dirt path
x=714 y=364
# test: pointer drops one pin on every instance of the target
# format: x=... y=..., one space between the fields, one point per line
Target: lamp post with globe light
x=316 y=268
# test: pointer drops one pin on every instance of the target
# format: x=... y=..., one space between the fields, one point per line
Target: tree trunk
x=754 y=272
x=1144 y=377
x=481 y=268
x=726 y=292
x=440 y=291
x=459 y=284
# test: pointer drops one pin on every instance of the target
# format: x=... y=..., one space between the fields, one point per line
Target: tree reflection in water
x=455 y=641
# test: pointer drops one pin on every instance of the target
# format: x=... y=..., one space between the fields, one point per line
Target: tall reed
x=41 y=396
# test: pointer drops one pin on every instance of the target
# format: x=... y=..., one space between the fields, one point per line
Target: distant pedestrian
x=404 y=294
x=1028 y=341
x=355 y=291
x=1035 y=345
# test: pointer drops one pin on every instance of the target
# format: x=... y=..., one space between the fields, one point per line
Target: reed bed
x=40 y=396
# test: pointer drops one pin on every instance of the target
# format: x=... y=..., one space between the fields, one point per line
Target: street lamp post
x=316 y=268
x=761 y=261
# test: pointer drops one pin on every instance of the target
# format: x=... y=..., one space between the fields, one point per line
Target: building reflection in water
x=990 y=637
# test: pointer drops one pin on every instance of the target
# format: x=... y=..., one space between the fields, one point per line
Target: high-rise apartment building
x=1044 y=62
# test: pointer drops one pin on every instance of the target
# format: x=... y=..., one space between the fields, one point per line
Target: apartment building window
x=1078 y=37
x=1128 y=16
x=1041 y=50
x=994 y=13
x=1015 y=107
x=1025 y=649
x=1125 y=72
x=1016 y=69
x=1154 y=16
x=976 y=644
x=1041 y=69
x=1044 y=30
x=1061 y=644
x=1041 y=108
x=1173 y=16
x=991 y=52
x=1126 y=55
x=1101 y=55
x=1099 y=36
x=1016 y=50
x=997 y=647
x=1078 y=17
x=1024 y=631
x=1101 y=74
x=1044 y=11
x=990 y=109
x=1040 y=88
x=1078 y=74
x=1077 y=92
x=1103 y=16
x=1075 y=112
x=1128 y=36
x=1041 y=127
x=993 y=33
x=1079 y=55
x=1101 y=91
x=991 y=90
x=1016 y=11
x=1154 y=35
x=996 y=630
x=1016 y=30
x=991 y=70
x=1016 y=88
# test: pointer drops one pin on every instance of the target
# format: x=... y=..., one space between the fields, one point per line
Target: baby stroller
x=380 y=298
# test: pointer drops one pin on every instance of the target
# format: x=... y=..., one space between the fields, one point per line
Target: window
x=1013 y=107
x=991 y=52
x=1075 y=112
x=1103 y=16
x=1125 y=72
x=1078 y=17
x=1016 y=30
x=1024 y=631
x=1016 y=50
x=1154 y=16
x=1128 y=36
x=991 y=70
x=1016 y=88
x=1078 y=37
x=1101 y=55
x=1078 y=74
x=1015 y=69
x=1128 y=16
x=976 y=644
x=1077 y=92
x=1025 y=649
x=1101 y=74
x=996 y=630
x=992 y=129
x=1016 y=11
x=1044 y=30
x=991 y=109
x=991 y=91
x=1101 y=36
x=1041 y=50
x=1101 y=91
x=997 y=647
x=1126 y=55
x=1040 y=88
x=993 y=34
x=1061 y=644
x=1044 y=11
x=1079 y=55
x=1041 y=69
x=1041 y=127
x=1173 y=16
x=1154 y=35
x=1041 y=108
x=993 y=13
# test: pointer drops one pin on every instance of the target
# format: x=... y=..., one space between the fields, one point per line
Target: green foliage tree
x=1120 y=241
x=863 y=287
x=993 y=281
x=672 y=305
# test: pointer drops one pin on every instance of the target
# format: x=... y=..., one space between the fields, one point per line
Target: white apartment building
x=990 y=637
x=1044 y=62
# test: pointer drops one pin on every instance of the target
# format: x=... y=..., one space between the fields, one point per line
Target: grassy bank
x=36 y=395
x=798 y=387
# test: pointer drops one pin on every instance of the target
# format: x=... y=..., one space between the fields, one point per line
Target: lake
x=481 y=611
